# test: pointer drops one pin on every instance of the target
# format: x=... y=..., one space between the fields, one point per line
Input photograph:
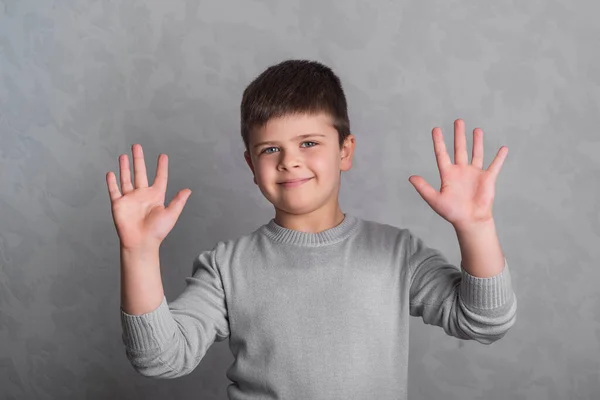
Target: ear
x=249 y=162
x=347 y=152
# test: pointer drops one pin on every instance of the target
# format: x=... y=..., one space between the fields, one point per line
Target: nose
x=288 y=159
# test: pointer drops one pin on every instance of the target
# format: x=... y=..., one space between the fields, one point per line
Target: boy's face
x=304 y=148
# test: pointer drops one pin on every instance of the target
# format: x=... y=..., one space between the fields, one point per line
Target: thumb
x=428 y=193
x=176 y=205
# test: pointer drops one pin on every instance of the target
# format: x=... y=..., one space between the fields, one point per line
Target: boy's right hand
x=140 y=217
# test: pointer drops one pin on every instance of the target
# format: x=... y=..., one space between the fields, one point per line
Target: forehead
x=290 y=126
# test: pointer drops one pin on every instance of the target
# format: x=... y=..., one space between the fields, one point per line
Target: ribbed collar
x=333 y=235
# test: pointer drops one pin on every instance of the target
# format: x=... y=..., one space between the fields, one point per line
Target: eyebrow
x=297 y=137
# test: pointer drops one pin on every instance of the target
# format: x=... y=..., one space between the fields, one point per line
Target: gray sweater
x=316 y=315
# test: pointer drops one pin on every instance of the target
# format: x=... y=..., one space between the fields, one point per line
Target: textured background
x=80 y=81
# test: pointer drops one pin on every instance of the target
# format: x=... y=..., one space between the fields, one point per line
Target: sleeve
x=465 y=306
x=171 y=340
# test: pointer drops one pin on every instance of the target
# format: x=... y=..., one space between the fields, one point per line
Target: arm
x=480 y=249
x=465 y=306
x=141 y=283
x=161 y=340
x=170 y=340
x=476 y=302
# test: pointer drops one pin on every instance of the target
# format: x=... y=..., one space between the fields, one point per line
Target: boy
x=315 y=303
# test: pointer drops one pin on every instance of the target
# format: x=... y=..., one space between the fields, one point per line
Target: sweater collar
x=333 y=235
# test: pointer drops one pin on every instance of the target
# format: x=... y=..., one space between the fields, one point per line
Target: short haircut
x=294 y=87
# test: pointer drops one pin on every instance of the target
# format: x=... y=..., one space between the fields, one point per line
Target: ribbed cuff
x=150 y=330
x=486 y=293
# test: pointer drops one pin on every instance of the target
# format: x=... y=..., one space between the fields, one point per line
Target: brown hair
x=294 y=87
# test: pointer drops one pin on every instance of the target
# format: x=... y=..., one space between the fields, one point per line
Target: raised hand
x=139 y=214
x=467 y=191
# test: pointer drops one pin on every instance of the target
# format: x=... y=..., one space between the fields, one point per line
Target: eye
x=266 y=150
x=314 y=143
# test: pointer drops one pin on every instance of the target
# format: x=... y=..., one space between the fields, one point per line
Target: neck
x=313 y=222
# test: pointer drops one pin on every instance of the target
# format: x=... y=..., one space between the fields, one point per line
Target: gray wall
x=80 y=81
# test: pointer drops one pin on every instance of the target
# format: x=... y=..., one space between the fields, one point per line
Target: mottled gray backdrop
x=82 y=80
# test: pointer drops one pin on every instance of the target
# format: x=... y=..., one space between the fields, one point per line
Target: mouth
x=294 y=182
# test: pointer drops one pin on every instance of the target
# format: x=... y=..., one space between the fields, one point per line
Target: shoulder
x=225 y=250
x=382 y=233
x=371 y=227
x=227 y=253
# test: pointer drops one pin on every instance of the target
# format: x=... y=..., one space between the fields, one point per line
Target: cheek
x=326 y=165
x=265 y=167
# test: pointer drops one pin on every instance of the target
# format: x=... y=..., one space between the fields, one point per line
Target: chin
x=295 y=208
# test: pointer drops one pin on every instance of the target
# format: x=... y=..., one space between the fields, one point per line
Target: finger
x=139 y=166
x=176 y=205
x=427 y=192
x=460 y=143
x=113 y=188
x=439 y=147
x=477 y=158
x=496 y=165
x=162 y=172
x=125 y=174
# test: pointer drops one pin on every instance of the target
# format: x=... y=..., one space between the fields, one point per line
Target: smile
x=294 y=183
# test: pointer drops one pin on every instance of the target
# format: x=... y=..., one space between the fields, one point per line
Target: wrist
x=474 y=226
x=148 y=247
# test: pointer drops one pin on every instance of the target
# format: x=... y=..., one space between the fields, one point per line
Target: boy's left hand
x=467 y=191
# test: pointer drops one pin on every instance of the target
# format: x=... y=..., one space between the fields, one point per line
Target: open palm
x=467 y=191
x=139 y=214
